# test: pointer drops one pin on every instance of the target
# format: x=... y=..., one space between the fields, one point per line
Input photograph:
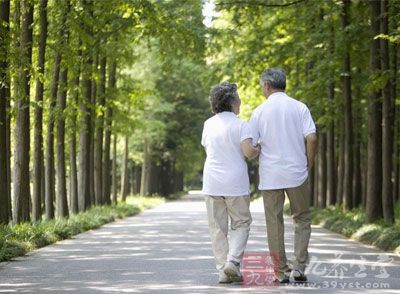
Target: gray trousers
x=299 y=198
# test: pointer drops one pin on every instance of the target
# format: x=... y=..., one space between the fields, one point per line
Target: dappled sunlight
x=146 y=251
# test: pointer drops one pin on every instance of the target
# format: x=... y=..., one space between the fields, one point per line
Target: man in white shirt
x=286 y=133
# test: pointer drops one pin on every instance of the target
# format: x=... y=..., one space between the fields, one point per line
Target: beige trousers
x=300 y=208
x=219 y=209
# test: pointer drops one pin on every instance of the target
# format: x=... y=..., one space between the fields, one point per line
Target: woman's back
x=225 y=170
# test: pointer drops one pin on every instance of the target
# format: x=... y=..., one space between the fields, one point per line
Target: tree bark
x=311 y=186
x=146 y=166
x=22 y=123
x=330 y=153
x=387 y=121
x=316 y=182
x=340 y=170
x=396 y=161
x=94 y=199
x=374 y=176
x=38 y=127
x=322 y=171
x=49 y=167
x=98 y=147
x=114 y=171
x=348 y=115
x=125 y=171
x=62 y=203
x=4 y=97
x=357 y=179
x=107 y=140
x=72 y=159
x=84 y=139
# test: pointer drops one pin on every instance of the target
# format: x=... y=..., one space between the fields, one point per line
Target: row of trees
x=92 y=92
x=341 y=58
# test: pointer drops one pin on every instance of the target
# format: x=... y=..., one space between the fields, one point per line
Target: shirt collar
x=226 y=113
x=276 y=95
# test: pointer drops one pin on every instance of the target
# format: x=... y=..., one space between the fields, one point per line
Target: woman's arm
x=249 y=150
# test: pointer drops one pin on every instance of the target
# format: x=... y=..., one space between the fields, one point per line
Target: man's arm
x=248 y=150
x=311 y=145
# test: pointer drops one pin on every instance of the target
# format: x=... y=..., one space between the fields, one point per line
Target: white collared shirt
x=280 y=125
x=225 y=170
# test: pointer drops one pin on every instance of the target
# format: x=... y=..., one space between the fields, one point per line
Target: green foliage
x=353 y=224
x=18 y=239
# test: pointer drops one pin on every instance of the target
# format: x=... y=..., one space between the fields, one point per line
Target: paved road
x=167 y=250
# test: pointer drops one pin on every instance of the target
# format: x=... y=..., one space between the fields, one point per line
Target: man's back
x=280 y=125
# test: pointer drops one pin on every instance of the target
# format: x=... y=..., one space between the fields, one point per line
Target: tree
x=98 y=147
x=38 y=127
x=387 y=120
x=4 y=97
x=84 y=196
x=107 y=138
x=61 y=199
x=374 y=176
x=348 y=118
x=125 y=171
x=21 y=128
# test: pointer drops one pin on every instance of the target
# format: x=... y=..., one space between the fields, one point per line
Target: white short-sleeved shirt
x=225 y=170
x=280 y=125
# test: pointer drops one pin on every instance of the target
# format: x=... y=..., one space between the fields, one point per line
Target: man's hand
x=312 y=147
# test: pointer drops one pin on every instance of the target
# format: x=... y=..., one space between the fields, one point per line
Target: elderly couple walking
x=282 y=133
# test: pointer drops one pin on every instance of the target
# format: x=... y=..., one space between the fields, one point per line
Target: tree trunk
x=322 y=171
x=311 y=186
x=374 y=177
x=107 y=139
x=72 y=159
x=62 y=203
x=146 y=166
x=49 y=167
x=358 y=131
x=340 y=170
x=84 y=142
x=357 y=191
x=92 y=113
x=330 y=153
x=387 y=122
x=38 y=128
x=22 y=123
x=137 y=176
x=125 y=171
x=348 y=116
x=98 y=147
x=114 y=171
x=316 y=181
x=396 y=120
x=4 y=86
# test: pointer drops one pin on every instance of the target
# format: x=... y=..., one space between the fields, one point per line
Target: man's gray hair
x=275 y=77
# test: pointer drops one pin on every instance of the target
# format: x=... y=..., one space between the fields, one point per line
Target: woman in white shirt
x=227 y=139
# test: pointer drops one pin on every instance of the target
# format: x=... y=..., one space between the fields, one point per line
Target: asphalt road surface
x=167 y=250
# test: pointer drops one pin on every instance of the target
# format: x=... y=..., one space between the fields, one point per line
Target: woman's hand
x=249 y=150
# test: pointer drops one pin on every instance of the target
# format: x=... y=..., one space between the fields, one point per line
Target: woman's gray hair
x=275 y=77
x=222 y=96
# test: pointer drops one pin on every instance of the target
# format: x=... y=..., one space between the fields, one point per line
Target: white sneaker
x=223 y=278
x=233 y=272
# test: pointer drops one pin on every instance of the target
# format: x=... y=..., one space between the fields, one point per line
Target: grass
x=353 y=224
x=17 y=240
